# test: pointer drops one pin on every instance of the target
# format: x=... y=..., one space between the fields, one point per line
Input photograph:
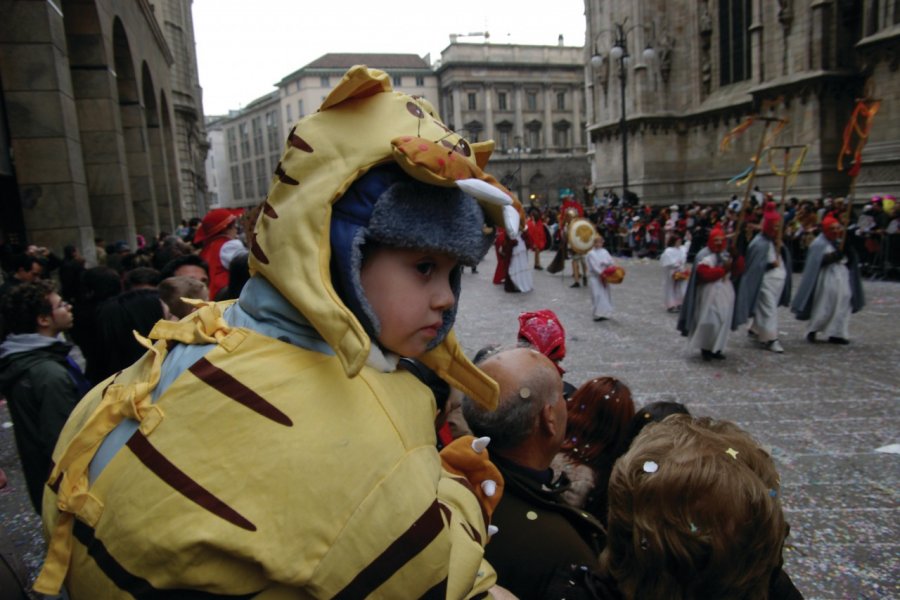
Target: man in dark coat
x=543 y=547
x=41 y=384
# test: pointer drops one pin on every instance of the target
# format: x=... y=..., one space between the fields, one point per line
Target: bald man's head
x=529 y=381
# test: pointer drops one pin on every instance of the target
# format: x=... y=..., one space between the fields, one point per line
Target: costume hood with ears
x=363 y=123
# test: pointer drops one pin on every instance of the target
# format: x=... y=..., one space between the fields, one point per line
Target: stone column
x=162 y=188
x=489 y=111
x=519 y=129
x=548 y=117
x=576 y=117
x=457 y=108
x=140 y=179
x=43 y=127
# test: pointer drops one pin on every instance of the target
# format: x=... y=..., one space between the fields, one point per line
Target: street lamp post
x=619 y=54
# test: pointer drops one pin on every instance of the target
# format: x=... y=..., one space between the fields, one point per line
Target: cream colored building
x=105 y=126
x=252 y=138
x=304 y=90
x=530 y=101
x=718 y=61
x=246 y=148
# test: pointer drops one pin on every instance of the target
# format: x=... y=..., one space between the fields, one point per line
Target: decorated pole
x=750 y=174
x=788 y=176
x=866 y=108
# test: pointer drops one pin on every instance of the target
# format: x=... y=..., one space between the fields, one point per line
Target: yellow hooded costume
x=268 y=470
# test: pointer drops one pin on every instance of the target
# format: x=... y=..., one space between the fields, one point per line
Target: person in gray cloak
x=705 y=316
x=831 y=286
x=765 y=284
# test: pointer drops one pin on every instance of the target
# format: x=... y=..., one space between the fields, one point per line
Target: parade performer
x=709 y=299
x=569 y=213
x=537 y=234
x=273 y=448
x=765 y=284
x=218 y=234
x=512 y=262
x=675 y=272
x=598 y=261
x=830 y=288
x=503 y=250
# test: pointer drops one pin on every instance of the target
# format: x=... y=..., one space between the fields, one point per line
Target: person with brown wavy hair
x=598 y=432
x=695 y=512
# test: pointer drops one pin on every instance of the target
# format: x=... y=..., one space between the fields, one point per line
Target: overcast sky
x=245 y=46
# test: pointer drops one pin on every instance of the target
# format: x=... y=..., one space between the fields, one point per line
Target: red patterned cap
x=543 y=330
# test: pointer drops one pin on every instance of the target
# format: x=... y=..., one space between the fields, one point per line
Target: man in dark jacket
x=543 y=547
x=37 y=377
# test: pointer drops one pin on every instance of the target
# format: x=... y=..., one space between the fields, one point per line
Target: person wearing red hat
x=765 y=284
x=831 y=286
x=705 y=316
x=543 y=331
x=218 y=234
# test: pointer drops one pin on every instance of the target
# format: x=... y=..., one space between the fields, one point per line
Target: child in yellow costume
x=269 y=448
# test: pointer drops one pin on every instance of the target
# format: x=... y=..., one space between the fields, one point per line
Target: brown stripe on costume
x=298 y=142
x=473 y=533
x=404 y=549
x=269 y=211
x=138 y=587
x=163 y=468
x=257 y=251
x=284 y=177
x=226 y=384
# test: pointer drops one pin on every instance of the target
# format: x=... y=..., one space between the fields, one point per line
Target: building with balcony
x=102 y=130
x=530 y=101
x=716 y=62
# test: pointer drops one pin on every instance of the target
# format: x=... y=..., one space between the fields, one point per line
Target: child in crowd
x=695 y=512
x=274 y=448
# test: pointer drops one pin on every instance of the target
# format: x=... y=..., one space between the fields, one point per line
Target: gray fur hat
x=387 y=207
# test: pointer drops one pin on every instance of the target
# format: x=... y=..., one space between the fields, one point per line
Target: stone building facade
x=104 y=123
x=719 y=61
x=530 y=101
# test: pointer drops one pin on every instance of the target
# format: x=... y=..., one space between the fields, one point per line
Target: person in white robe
x=765 y=284
x=708 y=306
x=598 y=260
x=831 y=288
x=519 y=268
x=673 y=261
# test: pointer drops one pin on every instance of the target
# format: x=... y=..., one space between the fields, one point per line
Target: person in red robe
x=538 y=236
x=218 y=234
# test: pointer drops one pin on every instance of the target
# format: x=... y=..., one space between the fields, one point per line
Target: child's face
x=409 y=290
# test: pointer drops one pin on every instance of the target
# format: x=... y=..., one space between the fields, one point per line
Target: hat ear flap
x=358 y=82
x=482 y=152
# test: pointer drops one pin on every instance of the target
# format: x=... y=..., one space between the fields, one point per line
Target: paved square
x=823 y=410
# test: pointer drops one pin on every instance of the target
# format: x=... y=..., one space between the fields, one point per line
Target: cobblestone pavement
x=823 y=410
